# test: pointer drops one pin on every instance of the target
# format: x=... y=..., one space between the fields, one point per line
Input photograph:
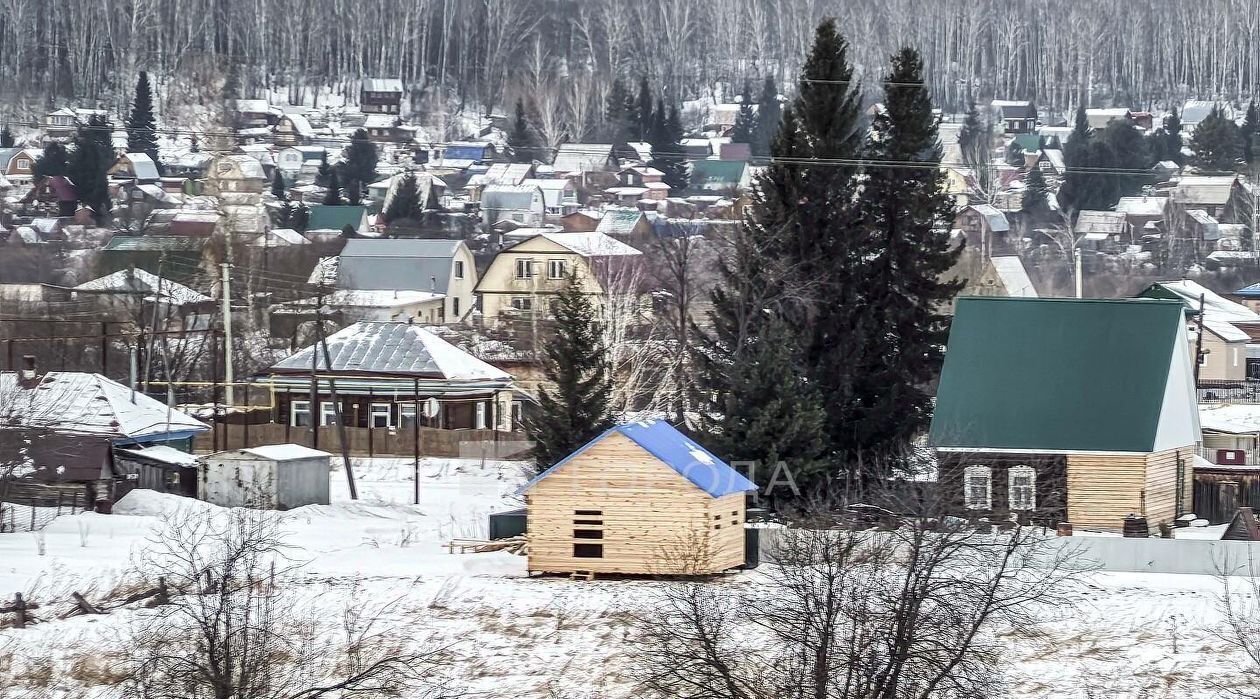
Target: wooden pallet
x=582 y=575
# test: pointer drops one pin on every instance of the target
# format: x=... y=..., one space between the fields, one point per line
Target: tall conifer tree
x=358 y=170
x=769 y=113
x=745 y=130
x=332 y=197
x=277 y=185
x=406 y=200
x=522 y=139
x=91 y=158
x=1217 y=143
x=644 y=112
x=1077 y=154
x=576 y=363
x=6 y=138
x=141 y=123
x=667 y=148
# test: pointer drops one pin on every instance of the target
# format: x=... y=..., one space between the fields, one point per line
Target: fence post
x=19 y=606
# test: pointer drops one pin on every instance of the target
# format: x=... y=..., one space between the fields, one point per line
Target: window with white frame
x=459 y=269
x=1023 y=487
x=327 y=413
x=381 y=415
x=524 y=268
x=23 y=163
x=557 y=269
x=481 y=416
x=406 y=414
x=978 y=487
x=300 y=413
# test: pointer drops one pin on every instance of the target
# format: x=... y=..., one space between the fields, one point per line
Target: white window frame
x=526 y=265
x=327 y=409
x=973 y=474
x=480 y=422
x=405 y=411
x=1015 y=494
x=374 y=411
x=455 y=308
x=23 y=163
x=294 y=411
x=556 y=269
x=459 y=269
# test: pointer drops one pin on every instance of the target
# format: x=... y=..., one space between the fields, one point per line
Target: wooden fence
x=365 y=441
x=29 y=506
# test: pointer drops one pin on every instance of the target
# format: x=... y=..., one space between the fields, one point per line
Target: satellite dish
x=431 y=407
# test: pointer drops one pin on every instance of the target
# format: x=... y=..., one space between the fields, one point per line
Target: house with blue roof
x=641 y=498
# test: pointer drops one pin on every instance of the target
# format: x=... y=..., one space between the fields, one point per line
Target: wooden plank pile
x=516 y=545
x=22 y=608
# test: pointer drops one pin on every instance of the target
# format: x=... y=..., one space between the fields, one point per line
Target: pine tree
x=643 y=112
x=405 y=202
x=358 y=169
x=769 y=113
x=1217 y=143
x=575 y=362
x=141 y=124
x=6 y=138
x=1172 y=139
x=277 y=185
x=904 y=215
x=1034 y=202
x=667 y=148
x=332 y=197
x=54 y=161
x=91 y=158
x=746 y=121
x=1248 y=132
x=522 y=139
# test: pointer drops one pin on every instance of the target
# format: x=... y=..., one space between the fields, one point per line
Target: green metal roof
x=335 y=218
x=716 y=173
x=1028 y=141
x=1055 y=374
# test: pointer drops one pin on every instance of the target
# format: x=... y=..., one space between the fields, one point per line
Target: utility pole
x=227 y=334
x=322 y=345
x=415 y=433
x=1198 y=344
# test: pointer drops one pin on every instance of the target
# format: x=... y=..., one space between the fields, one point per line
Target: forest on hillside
x=1138 y=53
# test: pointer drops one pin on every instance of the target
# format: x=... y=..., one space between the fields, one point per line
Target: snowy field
x=1135 y=635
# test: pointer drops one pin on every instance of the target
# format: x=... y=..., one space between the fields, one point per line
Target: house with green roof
x=336 y=218
x=719 y=175
x=1067 y=410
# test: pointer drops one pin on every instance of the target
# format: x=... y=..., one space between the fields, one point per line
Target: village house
x=1015 y=116
x=443 y=269
x=294 y=130
x=383 y=373
x=135 y=166
x=624 y=223
x=1143 y=215
x=469 y=151
x=1195 y=111
x=1067 y=410
x=523 y=205
x=985 y=228
x=726 y=176
x=1100 y=229
x=641 y=498
x=1000 y=275
x=383 y=128
x=381 y=96
x=1228 y=329
x=291 y=160
x=253 y=114
x=574 y=158
x=559 y=196
x=19 y=164
x=324 y=218
x=1222 y=198
x=135 y=294
x=237 y=175
x=523 y=279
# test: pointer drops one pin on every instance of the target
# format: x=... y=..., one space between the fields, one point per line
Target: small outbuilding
x=271 y=477
x=641 y=498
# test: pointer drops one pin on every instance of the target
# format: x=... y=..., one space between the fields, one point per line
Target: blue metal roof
x=1249 y=292
x=690 y=460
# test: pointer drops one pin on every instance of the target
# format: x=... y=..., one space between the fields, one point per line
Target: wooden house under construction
x=641 y=498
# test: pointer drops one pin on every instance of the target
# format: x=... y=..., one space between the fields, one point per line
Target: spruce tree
x=54 y=161
x=975 y=142
x=1217 y=143
x=332 y=197
x=1077 y=180
x=324 y=171
x=746 y=121
x=6 y=138
x=522 y=139
x=1248 y=133
x=90 y=160
x=620 y=119
x=769 y=113
x=667 y=148
x=1172 y=139
x=277 y=185
x=643 y=111
x=141 y=124
x=358 y=169
x=905 y=215
x=1125 y=150
x=576 y=407
x=1034 y=202
x=405 y=202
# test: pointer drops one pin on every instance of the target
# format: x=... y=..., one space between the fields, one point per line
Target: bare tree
x=232 y=629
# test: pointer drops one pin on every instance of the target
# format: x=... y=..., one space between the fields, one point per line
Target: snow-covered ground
x=1133 y=635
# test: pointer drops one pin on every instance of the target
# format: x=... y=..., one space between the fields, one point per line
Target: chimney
x=28 y=374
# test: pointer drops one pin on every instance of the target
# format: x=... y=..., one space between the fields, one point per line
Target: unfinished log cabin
x=1067 y=410
x=641 y=498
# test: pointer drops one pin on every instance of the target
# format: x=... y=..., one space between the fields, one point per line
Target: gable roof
x=1061 y=375
x=397 y=264
x=382 y=85
x=1010 y=269
x=1142 y=206
x=128 y=281
x=580 y=157
x=90 y=404
x=1014 y=109
x=619 y=221
x=334 y=218
x=591 y=244
x=996 y=220
x=1215 y=306
x=399 y=349
x=674 y=449
x=717 y=174
x=1101 y=223
x=1198 y=190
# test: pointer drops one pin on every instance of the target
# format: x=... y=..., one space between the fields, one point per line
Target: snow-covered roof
x=325 y=272
x=591 y=244
x=1215 y=306
x=399 y=349
x=163 y=454
x=373 y=298
x=382 y=85
x=89 y=404
x=380 y=121
x=253 y=106
x=138 y=280
x=301 y=126
x=1142 y=206
x=1199 y=190
x=142 y=166
x=580 y=157
x=285 y=452
x=996 y=219
x=1231 y=419
x=1010 y=269
x=1100 y=223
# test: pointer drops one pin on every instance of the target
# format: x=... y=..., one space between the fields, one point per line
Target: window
x=524 y=268
x=556 y=269
x=480 y=424
x=1023 y=487
x=459 y=269
x=23 y=163
x=588 y=534
x=455 y=307
x=523 y=303
x=589 y=512
x=327 y=413
x=588 y=550
x=978 y=487
x=519 y=218
x=381 y=415
x=406 y=414
x=300 y=413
